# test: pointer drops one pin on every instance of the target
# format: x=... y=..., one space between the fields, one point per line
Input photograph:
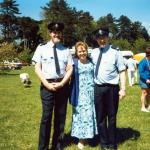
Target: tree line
x=27 y=33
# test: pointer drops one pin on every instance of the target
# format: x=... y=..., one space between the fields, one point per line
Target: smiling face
x=81 y=52
x=56 y=36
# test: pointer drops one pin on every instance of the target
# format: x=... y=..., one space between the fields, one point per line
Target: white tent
x=127 y=53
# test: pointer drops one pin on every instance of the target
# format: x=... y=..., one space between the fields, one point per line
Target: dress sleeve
x=142 y=69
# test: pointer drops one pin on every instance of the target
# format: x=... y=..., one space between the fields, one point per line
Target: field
x=20 y=112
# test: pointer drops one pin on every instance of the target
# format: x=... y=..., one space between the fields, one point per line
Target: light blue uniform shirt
x=44 y=55
x=111 y=64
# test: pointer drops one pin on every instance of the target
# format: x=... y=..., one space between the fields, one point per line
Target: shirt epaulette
x=41 y=44
x=115 y=47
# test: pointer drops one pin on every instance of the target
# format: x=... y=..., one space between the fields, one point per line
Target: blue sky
x=136 y=10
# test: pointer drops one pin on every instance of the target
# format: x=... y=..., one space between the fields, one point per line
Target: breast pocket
x=109 y=63
x=47 y=60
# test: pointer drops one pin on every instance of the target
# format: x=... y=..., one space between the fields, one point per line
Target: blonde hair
x=80 y=43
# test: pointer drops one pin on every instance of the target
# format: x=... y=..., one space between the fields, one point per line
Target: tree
x=8 y=11
x=124 y=26
x=110 y=22
x=84 y=25
x=77 y=24
x=58 y=11
x=122 y=44
x=138 y=31
x=140 y=45
x=28 y=32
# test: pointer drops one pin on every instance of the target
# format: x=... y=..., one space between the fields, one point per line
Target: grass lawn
x=20 y=113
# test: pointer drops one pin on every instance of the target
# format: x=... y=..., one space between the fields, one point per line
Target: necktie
x=56 y=61
x=98 y=61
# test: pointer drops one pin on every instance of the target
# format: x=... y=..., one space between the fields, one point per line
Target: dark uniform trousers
x=106 y=105
x=57 y=102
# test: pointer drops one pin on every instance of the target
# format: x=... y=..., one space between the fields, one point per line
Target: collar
x=105 y=48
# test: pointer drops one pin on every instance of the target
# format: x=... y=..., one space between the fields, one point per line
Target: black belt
x=54 y=80
x=107 y=84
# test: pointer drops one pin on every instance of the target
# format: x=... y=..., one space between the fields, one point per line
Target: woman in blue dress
x=144 y=81
x=82 y=96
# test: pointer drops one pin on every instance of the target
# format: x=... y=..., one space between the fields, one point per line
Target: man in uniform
x=109 y=66
x=51 y=60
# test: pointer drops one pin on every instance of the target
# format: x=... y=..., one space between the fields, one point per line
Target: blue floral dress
x=84 y=117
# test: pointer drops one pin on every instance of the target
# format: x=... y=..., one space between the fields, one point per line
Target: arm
x=66 y=77
x=69 y=70
x=122 y=92
x=38 y=71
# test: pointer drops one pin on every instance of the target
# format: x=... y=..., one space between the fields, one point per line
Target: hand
x=58 y=85
x=51 y=86
x=122 y=94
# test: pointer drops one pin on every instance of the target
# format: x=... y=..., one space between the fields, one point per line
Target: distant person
x=131 y=69
x=109 y=70
x=25 y=79
x=82 y=96
x=136 y=71
x=51 y=60
x=144 y=81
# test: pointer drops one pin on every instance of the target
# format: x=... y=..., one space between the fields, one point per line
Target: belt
x=54 y=80
x=107 y=84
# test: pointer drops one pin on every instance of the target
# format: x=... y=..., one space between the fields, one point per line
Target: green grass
x=20 y=113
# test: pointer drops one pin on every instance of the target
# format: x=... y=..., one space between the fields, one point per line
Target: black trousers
x=52 y=102
x=106 y=105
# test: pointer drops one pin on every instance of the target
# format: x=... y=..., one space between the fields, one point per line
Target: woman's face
x=81 y=53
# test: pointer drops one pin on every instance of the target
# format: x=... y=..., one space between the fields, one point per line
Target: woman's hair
x=147 y=51
x=80 y=44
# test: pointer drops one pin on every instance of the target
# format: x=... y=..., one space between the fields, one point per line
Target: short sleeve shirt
x=111 y=64
x=44 y=55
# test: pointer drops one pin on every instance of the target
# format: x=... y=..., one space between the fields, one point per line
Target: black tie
x=98 y=62
x=56 y=61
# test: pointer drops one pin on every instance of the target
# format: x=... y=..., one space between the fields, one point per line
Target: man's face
x=102 y=41
x=56 y=36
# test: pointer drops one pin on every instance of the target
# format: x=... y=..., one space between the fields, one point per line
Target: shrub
x=7 y=51
x=25 y=56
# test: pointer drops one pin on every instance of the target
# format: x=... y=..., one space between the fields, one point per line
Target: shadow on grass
x=8 y=73
x=69 y=140
x=123 y=134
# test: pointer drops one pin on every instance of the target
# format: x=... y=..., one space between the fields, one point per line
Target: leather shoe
x=57 y=147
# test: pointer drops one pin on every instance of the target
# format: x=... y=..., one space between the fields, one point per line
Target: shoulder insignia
x=115 y=47
x=41 y=44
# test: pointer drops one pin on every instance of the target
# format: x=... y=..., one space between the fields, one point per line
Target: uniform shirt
x=111 y=64
x=44 y=55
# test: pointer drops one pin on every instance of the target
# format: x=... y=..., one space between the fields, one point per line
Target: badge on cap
x=100 y=32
